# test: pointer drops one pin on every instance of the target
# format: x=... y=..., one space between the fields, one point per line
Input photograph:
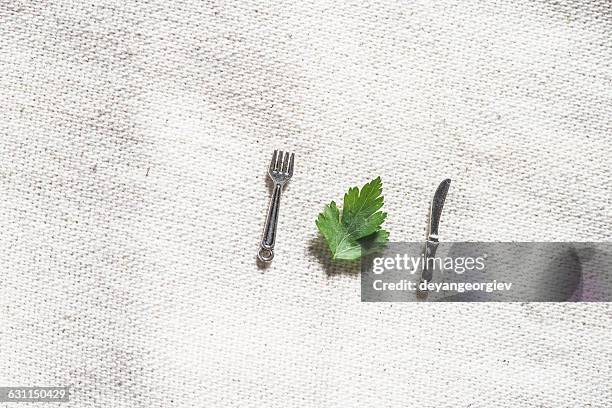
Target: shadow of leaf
x=318 y=248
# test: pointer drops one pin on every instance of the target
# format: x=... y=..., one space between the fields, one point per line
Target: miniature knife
x=431 y=245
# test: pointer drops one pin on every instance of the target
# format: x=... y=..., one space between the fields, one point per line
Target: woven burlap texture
x=135 y=137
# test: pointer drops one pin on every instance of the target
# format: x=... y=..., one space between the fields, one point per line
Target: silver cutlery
x=431 y=245
x=280 y=171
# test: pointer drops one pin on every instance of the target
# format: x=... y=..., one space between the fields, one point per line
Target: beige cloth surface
x=134 y=142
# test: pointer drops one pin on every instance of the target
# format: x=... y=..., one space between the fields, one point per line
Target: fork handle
x=266 y=250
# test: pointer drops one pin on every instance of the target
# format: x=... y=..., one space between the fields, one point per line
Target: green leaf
x=360 y=212
x=340 y=242
x=357 y=230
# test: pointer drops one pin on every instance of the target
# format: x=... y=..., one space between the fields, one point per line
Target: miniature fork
x=280 y=171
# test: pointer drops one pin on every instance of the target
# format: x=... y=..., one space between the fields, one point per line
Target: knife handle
x=430 y=251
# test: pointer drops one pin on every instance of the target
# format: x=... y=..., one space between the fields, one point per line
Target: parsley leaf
x=340 y=242
x=358 y=229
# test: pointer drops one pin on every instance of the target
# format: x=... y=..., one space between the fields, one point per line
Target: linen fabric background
x=135 y=138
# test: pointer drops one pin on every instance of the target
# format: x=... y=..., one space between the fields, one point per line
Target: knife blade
x=435 y=212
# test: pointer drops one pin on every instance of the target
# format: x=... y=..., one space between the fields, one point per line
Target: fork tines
x=282 y=163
